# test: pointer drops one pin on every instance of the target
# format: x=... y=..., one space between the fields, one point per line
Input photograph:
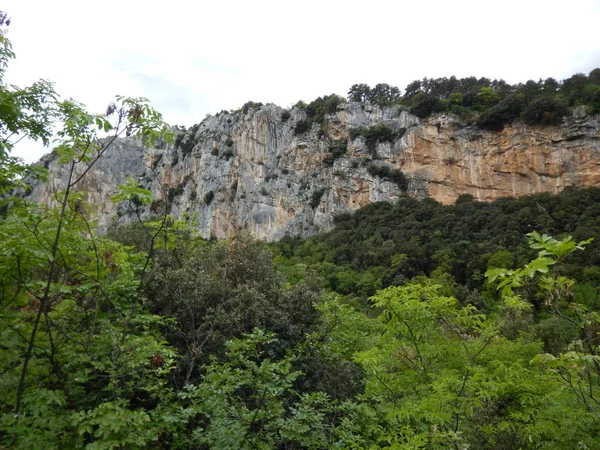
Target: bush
x=229 y=142
x=208 y=197
x=302 y=127
x=544 y=111
x=316 y=197
x=336 y=150
x=300 y=105
x=250 y=105
x=319 y=108
x=486 y=98
x=285 y=116
x=423 y=105
x=375 y=134
x=592 y=96
x=174 y=192
x=389 y=174
x=504 y=112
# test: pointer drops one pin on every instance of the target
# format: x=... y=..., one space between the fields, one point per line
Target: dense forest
x=411 y=325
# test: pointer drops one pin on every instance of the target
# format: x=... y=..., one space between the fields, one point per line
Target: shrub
x=174 y=192
x=423 y=105
x=250 y=105
x=464 y=198
x=300 y=105
x=320 y=107
x=486 y=98
x=302 y=126
x=208 y=197
x=504 y=112
x=389 y=174
x=227 y=154
x=544 y=111
x=336 y=150
x=375 y=134
x=285 y=116
x=229 y=142
x=316 y=197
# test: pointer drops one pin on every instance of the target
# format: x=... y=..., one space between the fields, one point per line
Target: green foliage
x=24 y=112
x=382 y=94
x=95 y=341
x=131 y=191
x=423 y=105
x=209 y=197
x=456 y=376
x=397 y=242
x=315 y=199
x=376 y=134
x=336 y=150
x=154 y=338
x=389 y=174
x=186 y=140
x=322 y=106
x=507 y=110
x=544 y=111
x=302 y=126
x=486 y=98
x=490 y=103
x=576 y=366
x=316 y=111
x=250 y=105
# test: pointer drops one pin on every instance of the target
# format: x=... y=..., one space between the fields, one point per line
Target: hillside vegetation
x=490 y=104
x=409 y=326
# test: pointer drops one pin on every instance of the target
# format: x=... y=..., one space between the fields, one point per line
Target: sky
x=193 y=58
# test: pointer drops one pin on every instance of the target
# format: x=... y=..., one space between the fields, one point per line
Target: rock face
x=253 y=171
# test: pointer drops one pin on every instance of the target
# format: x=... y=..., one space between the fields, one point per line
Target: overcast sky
x=192 y=58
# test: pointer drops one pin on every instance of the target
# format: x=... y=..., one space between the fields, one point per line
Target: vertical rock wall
x=252 y=171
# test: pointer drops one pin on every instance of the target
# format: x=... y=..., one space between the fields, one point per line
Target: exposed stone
x=263 y=176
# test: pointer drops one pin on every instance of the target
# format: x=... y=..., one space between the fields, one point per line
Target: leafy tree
x=412 y=89
x=384 y=94
x=486 y=98
x=24 y=113
x=80 y=352
x=359 y=93
x=443 y=375
x=579 y=366
x=544 y=111
x=423 y=105
x=505 y=111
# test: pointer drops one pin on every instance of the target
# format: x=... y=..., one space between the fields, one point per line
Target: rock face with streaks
x=253 y=171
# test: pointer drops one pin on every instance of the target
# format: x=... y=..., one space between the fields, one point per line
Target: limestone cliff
x=252 y=170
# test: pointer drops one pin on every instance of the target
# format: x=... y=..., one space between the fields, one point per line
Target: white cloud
x=194 y=58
